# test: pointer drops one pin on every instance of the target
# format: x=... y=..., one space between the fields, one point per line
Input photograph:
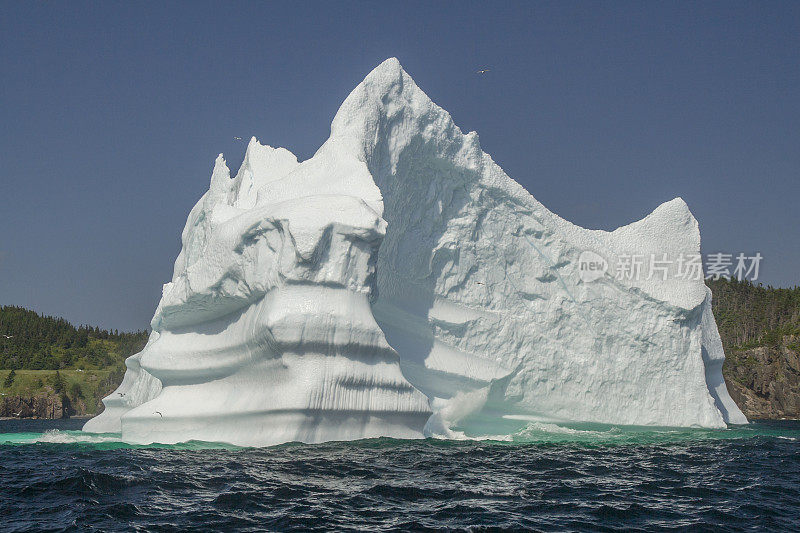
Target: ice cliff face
x=399 y=283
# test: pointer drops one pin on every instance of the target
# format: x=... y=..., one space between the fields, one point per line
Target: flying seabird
x=159 y=414
x=8 y=336
x=483 y=71
x=238 y=138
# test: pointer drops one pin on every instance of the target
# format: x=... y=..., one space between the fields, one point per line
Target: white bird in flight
x=238 y=138
x=483 y=71
x=8 y=336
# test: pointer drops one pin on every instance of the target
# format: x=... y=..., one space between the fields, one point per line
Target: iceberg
x=398 y=283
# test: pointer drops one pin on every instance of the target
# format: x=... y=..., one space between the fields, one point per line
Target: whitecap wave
x=55 y=436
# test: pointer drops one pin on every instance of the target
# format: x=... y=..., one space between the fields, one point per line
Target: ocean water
x=546 y=477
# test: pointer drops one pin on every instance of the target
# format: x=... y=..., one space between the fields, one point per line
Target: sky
x=111 y=116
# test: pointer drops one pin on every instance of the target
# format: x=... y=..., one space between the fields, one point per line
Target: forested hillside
x=34 y=342
x=754 y=315
x=50 y=368
x=760 y=330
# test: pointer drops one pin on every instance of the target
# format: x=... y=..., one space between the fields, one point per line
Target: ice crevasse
x=398 y=283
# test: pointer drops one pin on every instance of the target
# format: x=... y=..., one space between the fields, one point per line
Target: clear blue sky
x=111 y=115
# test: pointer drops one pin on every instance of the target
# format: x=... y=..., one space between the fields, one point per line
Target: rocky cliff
x=39 y=406
x=764 y=381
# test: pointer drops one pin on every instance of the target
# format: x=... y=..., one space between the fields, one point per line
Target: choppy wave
x=56 y=436
x=545 y=476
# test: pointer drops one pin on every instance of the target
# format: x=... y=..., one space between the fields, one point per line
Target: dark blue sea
x=552 y=478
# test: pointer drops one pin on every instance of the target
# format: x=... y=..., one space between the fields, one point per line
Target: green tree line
x=34 y=342
x=750 y=315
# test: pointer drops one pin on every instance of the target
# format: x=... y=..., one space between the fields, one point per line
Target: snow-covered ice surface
x=399 y=283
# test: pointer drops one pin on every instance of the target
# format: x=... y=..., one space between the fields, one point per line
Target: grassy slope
x=94 y=385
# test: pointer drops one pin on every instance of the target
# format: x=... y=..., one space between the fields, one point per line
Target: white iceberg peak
x=401 y=270
x=221 y=175
x=262 y=164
